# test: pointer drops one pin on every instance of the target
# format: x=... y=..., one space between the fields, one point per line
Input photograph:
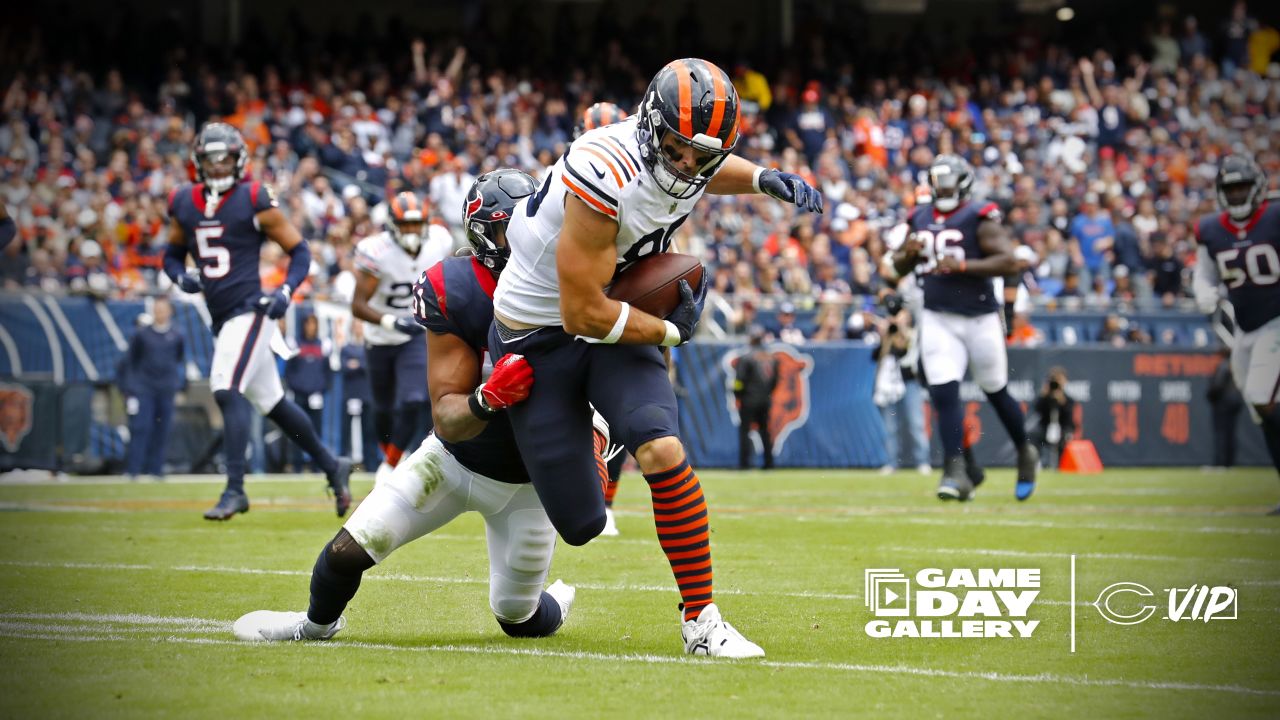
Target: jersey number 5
x=1254 y=259
x=947 y=243
x=215 y=260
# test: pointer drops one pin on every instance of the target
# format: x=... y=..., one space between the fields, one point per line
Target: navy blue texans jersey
x=954 y=234
x=455 y=297
x=226 y=244
x=1248 y=260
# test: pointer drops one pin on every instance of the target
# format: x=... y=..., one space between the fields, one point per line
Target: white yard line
x=60 y=633
x=997 y=552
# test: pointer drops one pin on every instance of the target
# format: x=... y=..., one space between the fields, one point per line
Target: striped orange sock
x=680 y=515
x=601 y=447
x=610 y=489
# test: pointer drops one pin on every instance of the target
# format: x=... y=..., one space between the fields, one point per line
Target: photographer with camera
x=1055 y=411
x=897 y=392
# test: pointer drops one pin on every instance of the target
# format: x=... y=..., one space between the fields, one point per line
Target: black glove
x=408 y=326
x=275 y=303
x=789 y=187
x=1008 y=320
x=685 y=317
x=189 y=282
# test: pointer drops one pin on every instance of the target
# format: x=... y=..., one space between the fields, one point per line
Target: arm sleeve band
x=299 y=265
x=175 y=257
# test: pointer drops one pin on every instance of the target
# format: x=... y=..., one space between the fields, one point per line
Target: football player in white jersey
x=388 y=264
x=617 y=195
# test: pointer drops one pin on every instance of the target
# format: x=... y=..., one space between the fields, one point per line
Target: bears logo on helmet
x=695 y=103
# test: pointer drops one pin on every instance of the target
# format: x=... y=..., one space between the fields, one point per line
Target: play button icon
x=890 y=596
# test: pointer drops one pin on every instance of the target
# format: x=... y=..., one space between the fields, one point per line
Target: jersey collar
x=487 y=282
x=1240 y=230
x=197 y=197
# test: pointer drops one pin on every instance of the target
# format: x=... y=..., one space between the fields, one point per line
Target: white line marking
x=55 y=345
x=1067 y=525
x=507 y=650
x=11 y=349
x=1073 y=603
x=113 y=329
x=73 y=340
x=127 y=619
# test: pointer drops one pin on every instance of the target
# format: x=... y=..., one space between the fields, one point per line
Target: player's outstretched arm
x=585 y=261
x=743 y=177
x=279 y=230
x=175 y=261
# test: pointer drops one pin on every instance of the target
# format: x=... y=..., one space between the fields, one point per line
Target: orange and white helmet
x=406 y=219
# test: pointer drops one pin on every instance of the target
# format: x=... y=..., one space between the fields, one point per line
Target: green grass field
x=118 y=599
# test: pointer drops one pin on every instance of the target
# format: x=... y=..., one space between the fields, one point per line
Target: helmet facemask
x=408 y=234
x=488 y=239
x=666 y=153
x=948 y=187
x=1240 y=200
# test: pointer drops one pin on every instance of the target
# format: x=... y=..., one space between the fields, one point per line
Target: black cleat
x=1028 y=466
x=228 y=506
x=975 y=472
x=340 y=484
x=955 y=483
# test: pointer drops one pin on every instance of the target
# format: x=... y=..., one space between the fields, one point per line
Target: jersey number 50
x=947 y=243
x=1235 y=275
x=216 y=260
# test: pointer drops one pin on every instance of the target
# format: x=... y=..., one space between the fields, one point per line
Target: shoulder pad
x=595 y=173
x=431 y=301
x=990 y=211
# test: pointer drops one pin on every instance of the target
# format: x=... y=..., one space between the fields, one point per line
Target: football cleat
x=564 y=595
x=340 y=484
x=229 y=504
x=710 y=635
x=272 y=626
x=955 y=483
x=610 y=527
x=975 y=472
x=1028 y=464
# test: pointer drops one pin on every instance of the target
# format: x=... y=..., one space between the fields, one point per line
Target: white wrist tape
x=388 y=321
x=673 y=335
x=618 y=325
x=755 y=180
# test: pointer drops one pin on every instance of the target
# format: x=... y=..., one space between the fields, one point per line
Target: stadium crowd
x=1100 y=161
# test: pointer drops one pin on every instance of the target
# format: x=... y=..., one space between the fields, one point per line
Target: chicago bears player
x=469 y=462
x=956 y=247
x=599 y=115
x=223 y=222
x=1239 y=247
x=387 y=265
x=618 y=194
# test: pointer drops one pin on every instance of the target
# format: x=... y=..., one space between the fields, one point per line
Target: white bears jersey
x=603 y=169
x=397 y=271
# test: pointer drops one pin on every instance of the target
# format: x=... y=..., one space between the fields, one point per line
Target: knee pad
x=645 y=423
x=345 y=556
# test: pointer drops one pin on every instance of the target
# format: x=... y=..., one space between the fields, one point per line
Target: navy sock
x=545 y=621
x=409 y=425
x=336 y=578
x=382 y=424
x=236 y=414
x=1271 y=431
x=946 y=404
x=295 y=423
x=1010 y=415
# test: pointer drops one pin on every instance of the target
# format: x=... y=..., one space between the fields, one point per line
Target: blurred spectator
x=786 y=329
x=1092 y=235
x=755 y=377
x=1055 y=417
x=359 y=428
x=307 y=375
x=897 y=394
x=150 y=375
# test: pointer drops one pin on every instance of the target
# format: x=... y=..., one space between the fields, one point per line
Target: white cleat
x=383 y=474
x=564 y=595
x=610 y=527
x=273 y=626
x=711 y=635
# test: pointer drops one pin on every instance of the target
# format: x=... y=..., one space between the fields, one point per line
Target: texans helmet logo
x=498 y=215
x=15 y=415
x=473 y=206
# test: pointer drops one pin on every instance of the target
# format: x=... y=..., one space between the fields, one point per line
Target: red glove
x=510 y=383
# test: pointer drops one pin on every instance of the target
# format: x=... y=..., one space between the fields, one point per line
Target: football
x=650 y=283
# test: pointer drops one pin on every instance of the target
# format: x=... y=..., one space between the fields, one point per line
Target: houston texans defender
x=223 y=221
x=957 y=247
x=387 y=265
x=617 y=195
x=1240 y=247
x=469 y=462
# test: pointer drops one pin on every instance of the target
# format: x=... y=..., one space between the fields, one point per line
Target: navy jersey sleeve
x=262 y=197
x=431 y=302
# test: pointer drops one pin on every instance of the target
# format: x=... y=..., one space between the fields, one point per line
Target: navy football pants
x=628 y=384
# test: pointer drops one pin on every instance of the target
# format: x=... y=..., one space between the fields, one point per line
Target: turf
x=117 y=602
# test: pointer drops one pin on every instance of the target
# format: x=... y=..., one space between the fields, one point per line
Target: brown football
x=649 y=284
